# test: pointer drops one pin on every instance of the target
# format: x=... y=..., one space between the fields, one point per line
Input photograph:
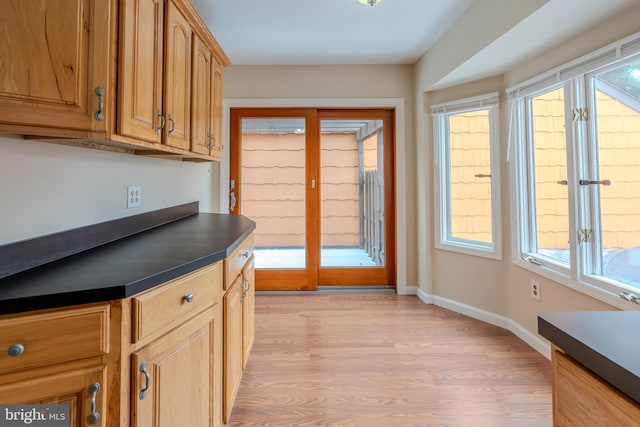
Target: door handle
x=232 y=195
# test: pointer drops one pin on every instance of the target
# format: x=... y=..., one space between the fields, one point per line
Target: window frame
x=577 y=79
x=442 y=206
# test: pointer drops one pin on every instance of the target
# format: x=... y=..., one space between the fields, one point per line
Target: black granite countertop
x=126 y=266
x=605 y=342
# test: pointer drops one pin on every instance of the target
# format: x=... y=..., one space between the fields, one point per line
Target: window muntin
x=467 y=176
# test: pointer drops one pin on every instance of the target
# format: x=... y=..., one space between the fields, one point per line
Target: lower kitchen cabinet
x=248 y=311
x=239 y=319
x=83 y=390
x=176 y=352
x=171 y=355
x=57 y=357
x=173 y=379
x=581 y=398
x=232 y=344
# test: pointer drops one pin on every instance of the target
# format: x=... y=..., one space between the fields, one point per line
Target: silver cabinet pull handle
x=188 y=297
x=162 y=122
x=15 y=350
x=99 y=115
x=94 y=416
x=212 y=141
x=244 y=254
x=173 y=125
x=143 y=370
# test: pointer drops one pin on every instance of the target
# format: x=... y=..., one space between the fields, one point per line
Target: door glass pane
x=550 y=171
x=273 y=189
x=352 y=225
x=618 y=141
x=470 y=176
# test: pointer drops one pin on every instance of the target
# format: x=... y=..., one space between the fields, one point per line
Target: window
x=548 y=197
x=467 y=176
x=575 y=155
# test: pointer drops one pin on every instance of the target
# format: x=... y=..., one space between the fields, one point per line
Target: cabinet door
x=201 y=102
x=75 y=388
x=140 y=78
x=54 y=54
x=580 y=398
x=216 y=97
x=177 y=84
x=248 y=312
x=173 y=377
x=232 y=309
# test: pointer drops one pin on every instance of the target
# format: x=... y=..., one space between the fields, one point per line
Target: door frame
x=398 y=104
x=289 y=279
x=339 y=276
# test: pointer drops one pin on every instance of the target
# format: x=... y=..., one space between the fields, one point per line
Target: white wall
x=46 y=188
x=333 y=82
x=499 y=288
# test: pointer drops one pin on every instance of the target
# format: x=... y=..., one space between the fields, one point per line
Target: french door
x=319 y=185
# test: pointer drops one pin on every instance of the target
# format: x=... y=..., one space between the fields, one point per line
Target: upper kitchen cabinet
x=155 y=77
x=167 y=77
x=140 y=105
x=142 y=77
x=54 y=66
x=177 y=84
x=206 y=105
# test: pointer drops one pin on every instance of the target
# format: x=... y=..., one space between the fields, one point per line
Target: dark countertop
x=605 y=342
x=127 y=266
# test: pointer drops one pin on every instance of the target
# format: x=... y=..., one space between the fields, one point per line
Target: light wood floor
x=386 y=360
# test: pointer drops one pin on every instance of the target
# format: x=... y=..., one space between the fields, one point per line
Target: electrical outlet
x=535 y=289
x=134 y=196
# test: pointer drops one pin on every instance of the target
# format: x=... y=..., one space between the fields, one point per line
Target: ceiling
x=313 y=32
x=286 y=32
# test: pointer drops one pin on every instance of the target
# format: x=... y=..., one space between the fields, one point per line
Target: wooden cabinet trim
x=74 y=333
x=157 y=310
x=235 y=262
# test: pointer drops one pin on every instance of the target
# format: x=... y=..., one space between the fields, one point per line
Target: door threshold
x=335 y=290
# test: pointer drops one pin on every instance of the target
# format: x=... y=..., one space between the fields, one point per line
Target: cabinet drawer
x=236 y=261
x=54 y=337
x=161 y=308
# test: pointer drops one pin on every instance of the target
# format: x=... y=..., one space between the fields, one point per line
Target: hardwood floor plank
x=386 y=360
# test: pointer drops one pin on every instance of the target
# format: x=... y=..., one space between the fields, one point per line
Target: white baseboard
x=425 y=297
x=535 y=341
x=541 y=345
x=476 y=313
x=408 y=290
